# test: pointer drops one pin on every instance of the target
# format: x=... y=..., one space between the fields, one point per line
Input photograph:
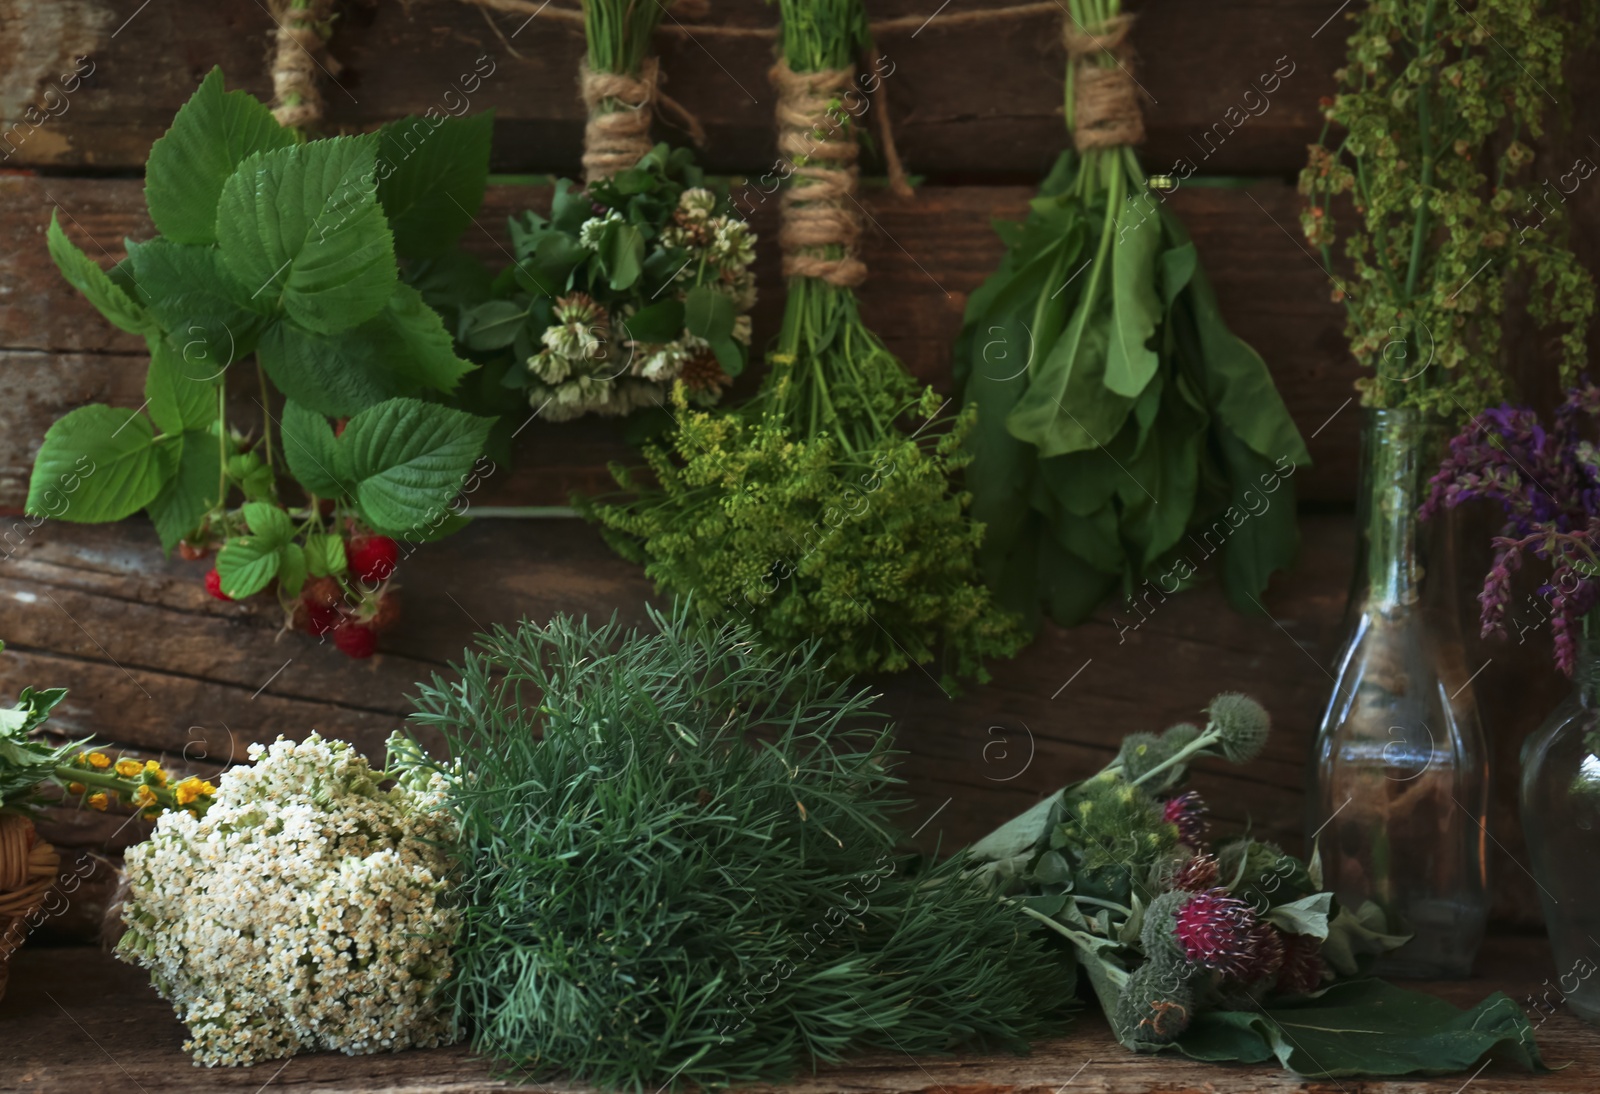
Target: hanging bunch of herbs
x=824 y=508
x=677 y=868
x=1434 y=107
x=1123 y=432
x=636 y=280
x=287 y=250
x=1225 y=950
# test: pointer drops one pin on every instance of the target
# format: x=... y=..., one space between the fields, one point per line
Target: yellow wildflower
x=98 y=801
x=129 y=768
x=99 y=759
x=193 y=787
x=154 y=768
x=144 y=796
x=76 y=788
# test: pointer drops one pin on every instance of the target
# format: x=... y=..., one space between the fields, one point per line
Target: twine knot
x=819 y=224
x=299 y=42
x=1106 y=113
x=621 y=108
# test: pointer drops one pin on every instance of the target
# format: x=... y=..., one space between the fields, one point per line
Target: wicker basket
x=28 y=867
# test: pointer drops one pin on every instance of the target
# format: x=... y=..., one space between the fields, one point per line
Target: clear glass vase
x=1561 y=820
x=1400 y=771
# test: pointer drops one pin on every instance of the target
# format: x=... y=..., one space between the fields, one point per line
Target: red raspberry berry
x=315 y=619
x=355 y=639
x=214 y=585
x=338 y=426
x=372 y=558
x=386 y=613
x=322 y=592
x=189 y=552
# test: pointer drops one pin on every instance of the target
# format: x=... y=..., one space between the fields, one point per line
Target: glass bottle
x=1561 y=820
x=1400 y=771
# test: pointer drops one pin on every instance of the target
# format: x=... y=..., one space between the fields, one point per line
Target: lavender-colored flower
x=1547 y=481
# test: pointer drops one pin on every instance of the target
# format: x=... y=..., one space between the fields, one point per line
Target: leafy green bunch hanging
x=636 y=280
x=824 y=508
x=1227 y=950
x=1426 y=142
x=676 y=868
x=632 y=283
x=288 y=250
x=1124 y=433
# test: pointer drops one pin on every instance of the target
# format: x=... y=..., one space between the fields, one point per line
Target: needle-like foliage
x=677 y=867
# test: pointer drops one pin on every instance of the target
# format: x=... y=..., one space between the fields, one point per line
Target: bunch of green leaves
x=26 y=761
x=617 y=33
x=1117 y=413
x=677 y=867
x=288 y=250
x=1099 y=863
x=625 y=266
x=1426 y=137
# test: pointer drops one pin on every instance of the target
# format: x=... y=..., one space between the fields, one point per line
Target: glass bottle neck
x=1397 y=460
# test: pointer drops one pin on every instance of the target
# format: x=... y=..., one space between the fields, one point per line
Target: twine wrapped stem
x=299 y=56
x=820 y=223
x=1106 y=110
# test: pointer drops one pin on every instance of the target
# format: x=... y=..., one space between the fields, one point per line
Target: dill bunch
x=677 y=867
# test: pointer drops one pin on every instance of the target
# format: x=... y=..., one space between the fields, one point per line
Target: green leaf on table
x=1135 y=307
x=1356 y=937
x=309 y=447
x=291 y=568
x=662 y=321
x=246 y=565
x=177 y=402
x=432 y=178
x=212 y=134
x=402 y=350
x=709 y=314
x=98 y=287
x=189 y=494
x=408 y=460
x=111 y=453
x=302 y=227
x=325 y=555
x=209 y=318
x=268 y=523
x=1366 y=1027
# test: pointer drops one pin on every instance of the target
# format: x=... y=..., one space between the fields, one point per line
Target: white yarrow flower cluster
x=301 y=913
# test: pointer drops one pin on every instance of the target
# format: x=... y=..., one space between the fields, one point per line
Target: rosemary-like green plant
x=1444 y=221
x=677 y=867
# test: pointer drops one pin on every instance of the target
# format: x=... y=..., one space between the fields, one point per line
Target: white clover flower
x=301 y=913
x=590 y=230
x=696 y=203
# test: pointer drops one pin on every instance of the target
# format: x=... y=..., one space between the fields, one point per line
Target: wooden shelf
x=76 y=1020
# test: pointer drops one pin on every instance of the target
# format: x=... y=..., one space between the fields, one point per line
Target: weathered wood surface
x=958 y=111
x=76 y=1020
x=927 y=254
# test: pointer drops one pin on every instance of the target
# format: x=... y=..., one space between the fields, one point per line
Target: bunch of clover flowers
x=303 y=911
x=98 y=780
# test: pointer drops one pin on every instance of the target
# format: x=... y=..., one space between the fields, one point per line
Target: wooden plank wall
x=155 y=665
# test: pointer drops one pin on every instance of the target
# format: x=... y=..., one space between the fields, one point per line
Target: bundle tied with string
x=28 y=867
x=819 y=225
x=299 y=56
x=1106 y=110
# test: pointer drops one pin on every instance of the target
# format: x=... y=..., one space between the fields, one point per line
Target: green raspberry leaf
x=291 y=568
x=177 y=402
x=211 y=135
x=401 y=351
x=246 y=565
x=432 y=178
x=302 y=227
x=99 y=287
x=309 y=447
x=269 y=523
x=113 y=454
x=408 y=460
x=325 y=555
x=188 y=495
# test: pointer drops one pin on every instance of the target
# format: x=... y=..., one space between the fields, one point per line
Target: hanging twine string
x=573 y=18
x=620 y=109
x=819 y=224
x=1106 y=110
x=299 y=55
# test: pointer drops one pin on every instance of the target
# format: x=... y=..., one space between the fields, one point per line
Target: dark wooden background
x=155 y=665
